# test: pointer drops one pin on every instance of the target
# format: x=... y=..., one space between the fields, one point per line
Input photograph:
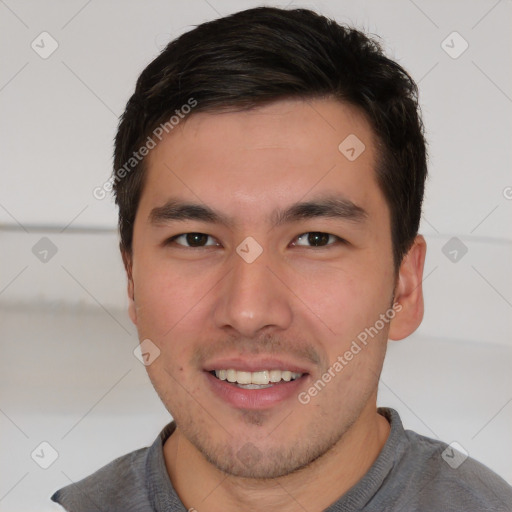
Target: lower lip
x=255 y=398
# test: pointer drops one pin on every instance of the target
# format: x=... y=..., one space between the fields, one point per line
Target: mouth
x=255 y=386
x=261 y=379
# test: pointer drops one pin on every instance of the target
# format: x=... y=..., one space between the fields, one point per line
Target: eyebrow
x=335 y=207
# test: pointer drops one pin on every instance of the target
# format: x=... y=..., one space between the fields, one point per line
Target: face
x=260 y=253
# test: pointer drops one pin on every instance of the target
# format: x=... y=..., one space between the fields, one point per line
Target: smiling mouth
x=256 y=380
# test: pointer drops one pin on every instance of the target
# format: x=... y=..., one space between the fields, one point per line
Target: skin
x=296 y=301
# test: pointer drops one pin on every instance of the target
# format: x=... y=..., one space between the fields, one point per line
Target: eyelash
x=337 y=241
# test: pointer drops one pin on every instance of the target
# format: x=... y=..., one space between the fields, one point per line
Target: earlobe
x=409 y=292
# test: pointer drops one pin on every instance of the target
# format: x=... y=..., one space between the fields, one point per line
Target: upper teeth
x=262 y=377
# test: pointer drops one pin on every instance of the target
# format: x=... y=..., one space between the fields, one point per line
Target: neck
x=202 y=486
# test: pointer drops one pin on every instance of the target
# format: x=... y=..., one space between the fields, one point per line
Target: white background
x=67 y=372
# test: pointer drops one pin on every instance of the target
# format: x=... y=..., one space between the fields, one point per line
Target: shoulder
x=118 y=486
x=417 y=473
x=447 y=478
x=130 y=483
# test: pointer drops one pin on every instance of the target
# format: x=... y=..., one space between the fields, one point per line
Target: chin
x=262 y=460
x=251 y=463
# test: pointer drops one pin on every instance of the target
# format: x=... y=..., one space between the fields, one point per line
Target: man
x=269 y=172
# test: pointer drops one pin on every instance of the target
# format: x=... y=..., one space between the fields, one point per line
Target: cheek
x=346 y=301
x=169 y=311
x=167 y=299
x=343 y=298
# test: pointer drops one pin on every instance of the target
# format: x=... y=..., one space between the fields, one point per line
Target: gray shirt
x=412 y=473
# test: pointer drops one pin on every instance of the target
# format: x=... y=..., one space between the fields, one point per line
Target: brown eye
x=316 y=239
x=194 y=240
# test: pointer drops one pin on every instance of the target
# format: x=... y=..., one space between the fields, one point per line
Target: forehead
x=245 y=162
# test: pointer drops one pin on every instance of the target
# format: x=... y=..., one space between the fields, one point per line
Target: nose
x=252 y=298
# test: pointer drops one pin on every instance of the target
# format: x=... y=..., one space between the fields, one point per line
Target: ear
x=409 y=292
x=132 y=311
